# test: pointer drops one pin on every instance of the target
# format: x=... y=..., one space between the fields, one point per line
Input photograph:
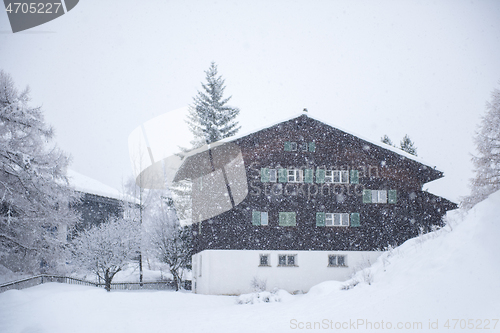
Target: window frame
x=287 y=260
x=296 y=174
x=262 y=215
x=337 y=256
x=328 y=176
x=273 y=172
x=268 y=260
x=340 y=217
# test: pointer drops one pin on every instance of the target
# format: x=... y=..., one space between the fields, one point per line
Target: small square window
x=293 y=146
x=332 y=260
x=304 y=146
x=282 y=260
x=264 y=260
x=290 y=260
x=295 y=176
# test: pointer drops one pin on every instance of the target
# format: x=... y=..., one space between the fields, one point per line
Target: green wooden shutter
x=283 y=219
x=287 y=219
x=355 y=220
x=308 y=175
x=367 y=196
x=320 y=219
x=265 y=175
x=282 y=175
x=320 y=176
x=393 y=196
x=288 y=146
x=354 y=177
x=312 y=147
x=255 y=217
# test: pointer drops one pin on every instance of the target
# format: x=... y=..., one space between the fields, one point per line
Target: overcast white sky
x=425 y=68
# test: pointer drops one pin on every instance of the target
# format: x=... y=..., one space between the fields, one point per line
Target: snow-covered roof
x=82 y=183
x=376 y=143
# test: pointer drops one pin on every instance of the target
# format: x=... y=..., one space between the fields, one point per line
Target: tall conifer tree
x=210 y=119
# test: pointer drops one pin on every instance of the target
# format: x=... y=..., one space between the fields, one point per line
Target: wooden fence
x=40 y=279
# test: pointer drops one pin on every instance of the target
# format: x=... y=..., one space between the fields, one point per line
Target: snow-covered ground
x=451 y=276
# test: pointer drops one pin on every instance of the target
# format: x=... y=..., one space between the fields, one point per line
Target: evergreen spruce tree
x=34 y=194
x=408 y=146
x=487 y=161
x=385 y=139
x=210 y=119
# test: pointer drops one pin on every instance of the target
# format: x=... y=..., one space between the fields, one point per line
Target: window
x=337 y=219
x=379 y=196
x=336 y=176
x=267 y=175
x=328 y=176
x=272 y=175
x=335 y=260
x=294 y=176
x=264 y=218
x=308 y=175
x=264 y=260
x=301 y=146
x=260 y=218
x=287 y=219
x=287 y=260
x=320 y=176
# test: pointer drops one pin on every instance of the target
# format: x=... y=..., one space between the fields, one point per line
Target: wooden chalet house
x=320 y=203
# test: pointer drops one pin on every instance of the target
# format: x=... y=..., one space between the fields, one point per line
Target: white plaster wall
x=230 y=272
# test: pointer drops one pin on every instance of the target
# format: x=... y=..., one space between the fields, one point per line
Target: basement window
x=264 y=260
x=335 y=260
x=285 y=260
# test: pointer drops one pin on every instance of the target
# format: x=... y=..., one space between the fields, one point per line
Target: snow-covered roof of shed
x=376 y=143
x=82 y=183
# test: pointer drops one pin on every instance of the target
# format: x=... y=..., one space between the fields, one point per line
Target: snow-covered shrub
x=276 y=295
x=258 y=284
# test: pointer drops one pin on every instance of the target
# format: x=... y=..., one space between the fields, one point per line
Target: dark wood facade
x=95 y=209
x=322 y=147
